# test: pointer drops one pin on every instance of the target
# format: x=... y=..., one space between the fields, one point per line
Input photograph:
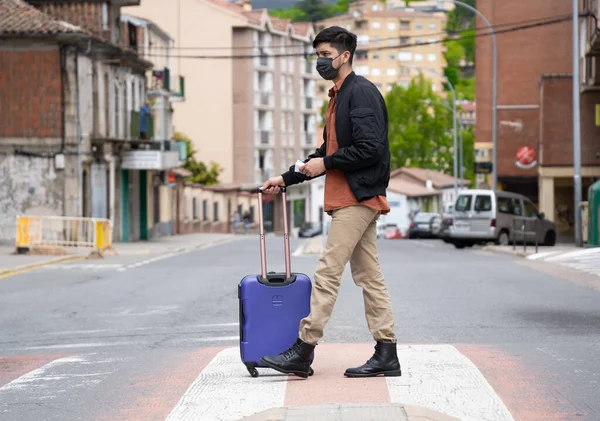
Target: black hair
x=339 y=38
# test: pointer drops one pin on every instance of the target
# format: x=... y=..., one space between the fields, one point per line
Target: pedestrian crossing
x=212 y=384
x=584 y=260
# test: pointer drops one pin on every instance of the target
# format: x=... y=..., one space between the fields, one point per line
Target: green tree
x=295 y=14
x=469 y=153
x=420 y=130
x=201 y=174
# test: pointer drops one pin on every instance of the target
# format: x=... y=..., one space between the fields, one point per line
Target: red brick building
x=535 y=102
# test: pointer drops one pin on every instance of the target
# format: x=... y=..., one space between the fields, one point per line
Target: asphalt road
x=91 y=343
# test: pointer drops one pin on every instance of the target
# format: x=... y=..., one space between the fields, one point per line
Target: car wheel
x=550 y=239
x=459 y=245
x=503 y=238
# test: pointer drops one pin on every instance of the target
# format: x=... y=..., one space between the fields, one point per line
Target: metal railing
x=523 y=232
x=60 y=232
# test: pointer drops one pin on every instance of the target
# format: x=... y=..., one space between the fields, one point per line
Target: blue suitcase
x=271 y=304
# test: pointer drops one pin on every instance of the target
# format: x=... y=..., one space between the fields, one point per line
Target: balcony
x=160 y=81
x=263 y=99
x=308 y=103
x=263 y=60
x=152 y=158
x=310 y=66
x=310 y=138
x=134 y=126
x=264 y=138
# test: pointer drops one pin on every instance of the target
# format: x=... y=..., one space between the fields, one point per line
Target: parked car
x=481 y=216
x=422 y=225
x=380 y=229
x=310 y=229
x=446 y=221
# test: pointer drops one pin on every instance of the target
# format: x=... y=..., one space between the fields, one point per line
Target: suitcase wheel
x=253 y=372
x=311 y=372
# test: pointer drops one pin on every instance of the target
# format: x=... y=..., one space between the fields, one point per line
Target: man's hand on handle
x=272 y=185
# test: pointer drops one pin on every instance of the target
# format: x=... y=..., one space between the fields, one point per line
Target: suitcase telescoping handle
x=286 y=235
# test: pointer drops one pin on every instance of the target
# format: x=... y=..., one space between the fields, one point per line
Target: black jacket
x=361 y=126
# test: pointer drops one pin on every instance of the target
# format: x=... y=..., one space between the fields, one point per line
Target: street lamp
x=494 y=86
x=576 y=128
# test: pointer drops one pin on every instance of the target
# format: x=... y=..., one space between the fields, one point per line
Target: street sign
x=483 y=168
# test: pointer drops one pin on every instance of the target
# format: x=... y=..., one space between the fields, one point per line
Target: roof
x=384 y=14
x=438 y=178
x=19 y=17
x=145 y=22
x=410 y=189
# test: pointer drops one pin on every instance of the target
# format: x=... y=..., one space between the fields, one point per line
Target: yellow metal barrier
x=63 y=232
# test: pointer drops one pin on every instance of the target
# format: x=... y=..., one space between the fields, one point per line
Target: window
x=530 y=209
x=404 y=40
x=376 y=25
x=505 y=205
x=375 y=56
x=216 y=211
x=392 y=56
x=361 y=70
x=418 y=25
x=205 y=210
x=418 y=57
x=391 y=72
x=419 y=40
x=516 y=207
x=376 y=72
x=405 y=24
x=391 y=26
x=483 y=203
x=463 y=203
x=432 y=25
x=375 y=40
x=391 y=41
x=194 y=208
x=362 y=39
x=404 y=56
x=431 y=57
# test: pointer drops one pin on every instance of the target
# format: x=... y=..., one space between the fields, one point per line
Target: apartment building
x=388 y=50
x=250 y=103
x=535 y=103
x=425 y=5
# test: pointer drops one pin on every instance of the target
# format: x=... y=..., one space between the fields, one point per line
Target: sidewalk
x=518 y=251
x=310 y=246
x=351 y=412
x=13 y=263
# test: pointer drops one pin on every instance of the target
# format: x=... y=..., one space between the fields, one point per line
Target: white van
x=481 y=216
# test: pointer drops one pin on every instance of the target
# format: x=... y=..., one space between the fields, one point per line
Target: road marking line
x=225 y=391
x=79 y=345
x=76 y=332
x=207 y=339
x=439 y=377
x=11 y=272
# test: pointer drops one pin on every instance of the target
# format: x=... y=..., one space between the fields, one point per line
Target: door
x=483 y=214
x=143 y=205
x=99 y=190
x=462 y=213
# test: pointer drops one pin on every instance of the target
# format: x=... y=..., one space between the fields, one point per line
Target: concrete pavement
x=480 y=338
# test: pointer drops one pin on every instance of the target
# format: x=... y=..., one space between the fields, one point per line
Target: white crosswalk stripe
x=585 y=260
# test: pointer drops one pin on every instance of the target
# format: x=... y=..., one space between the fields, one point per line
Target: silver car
x=481 y=216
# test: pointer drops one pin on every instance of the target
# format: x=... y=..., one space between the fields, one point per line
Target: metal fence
x=63 y=232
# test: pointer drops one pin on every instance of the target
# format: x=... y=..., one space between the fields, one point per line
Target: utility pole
x=576 y=128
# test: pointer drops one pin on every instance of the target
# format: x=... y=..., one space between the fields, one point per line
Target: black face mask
x=326 y=69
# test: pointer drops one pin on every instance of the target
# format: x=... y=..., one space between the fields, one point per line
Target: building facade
x=66 y=155
x=250 y=103
x=388 y=50
x=535 y=104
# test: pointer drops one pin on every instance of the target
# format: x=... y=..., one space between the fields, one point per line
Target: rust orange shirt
x=337 y=191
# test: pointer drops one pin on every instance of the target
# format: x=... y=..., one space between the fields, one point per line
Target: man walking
x=355 y=157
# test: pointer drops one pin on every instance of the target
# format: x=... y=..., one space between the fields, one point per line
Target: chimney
x=246 y=4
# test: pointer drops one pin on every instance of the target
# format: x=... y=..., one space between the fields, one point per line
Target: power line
x=433 y=34
x=388 y=47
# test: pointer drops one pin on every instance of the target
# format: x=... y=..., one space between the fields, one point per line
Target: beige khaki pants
x=352 y=237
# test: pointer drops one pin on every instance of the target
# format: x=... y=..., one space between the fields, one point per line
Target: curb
x=26 y=268
x=507 y=252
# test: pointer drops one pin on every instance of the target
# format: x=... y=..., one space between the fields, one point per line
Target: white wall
x=317 y=202
x=399 y=211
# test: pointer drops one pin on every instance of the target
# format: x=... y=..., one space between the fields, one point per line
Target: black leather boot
x=295 y=360
x=383 y=362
